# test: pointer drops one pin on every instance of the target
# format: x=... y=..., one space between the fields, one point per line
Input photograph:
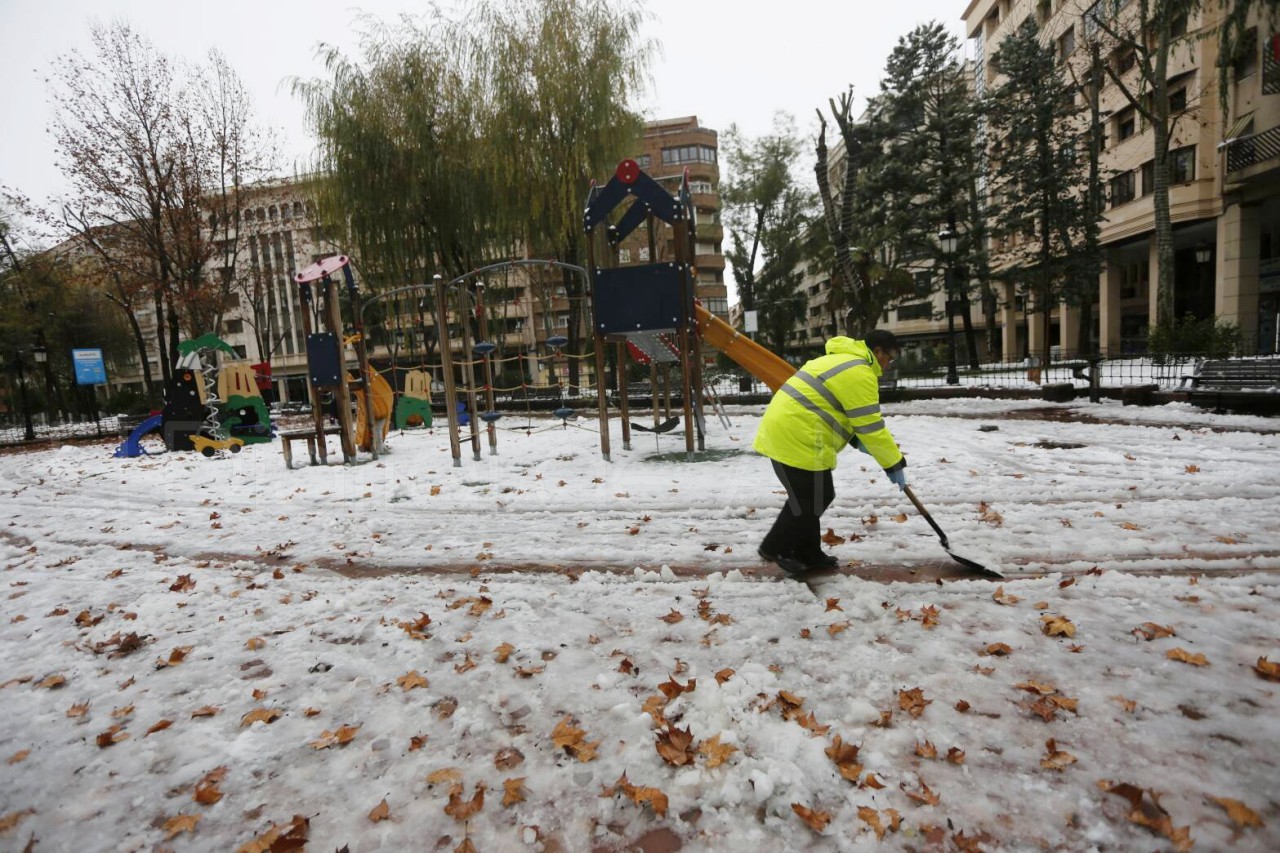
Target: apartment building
x=669 y=148
x=1224 y=179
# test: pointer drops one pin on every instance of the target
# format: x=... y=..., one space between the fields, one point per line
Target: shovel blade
x=972 y=566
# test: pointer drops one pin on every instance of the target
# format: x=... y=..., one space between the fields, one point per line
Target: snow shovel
x=964 y=561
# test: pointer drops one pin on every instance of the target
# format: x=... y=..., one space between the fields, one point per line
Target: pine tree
x=1040 y=208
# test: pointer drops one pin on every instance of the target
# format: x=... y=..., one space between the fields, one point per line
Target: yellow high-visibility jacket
x=831 y=401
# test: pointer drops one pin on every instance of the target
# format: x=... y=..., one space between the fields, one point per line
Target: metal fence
x=1168 y=373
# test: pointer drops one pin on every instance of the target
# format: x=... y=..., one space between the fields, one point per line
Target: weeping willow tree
x=453 y=142
x=401 y=177
x=557 y=78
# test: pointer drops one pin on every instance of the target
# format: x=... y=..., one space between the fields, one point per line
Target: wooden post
x=469 y=371
x=602 y=405
x=683 y=267
x=333 y=313
x=317 y=416
x=491 y=428
x=654 y=398
x=625 y=404
x=446 y=358
x=362 y=357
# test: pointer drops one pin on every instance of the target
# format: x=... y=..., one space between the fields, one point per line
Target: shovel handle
x=924 y=512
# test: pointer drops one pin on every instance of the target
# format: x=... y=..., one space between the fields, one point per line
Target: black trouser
x=797 y=532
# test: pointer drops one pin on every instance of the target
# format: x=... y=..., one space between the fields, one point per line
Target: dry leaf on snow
x=1150 y=814
x=410 y=680
x=716 y=753
x=1054 y=758
x=460 y=809
x=179 y=824
x=340 y=736
x=675 y=746
x=845 y=756
x=1242 y=815
x=1268 y=670
x=264 y=715
x=512 y=791
x=912 y=701
x=380 y=812
x=280 y=837
x=1181 y=654
x=1057 y=626
x=816 y=820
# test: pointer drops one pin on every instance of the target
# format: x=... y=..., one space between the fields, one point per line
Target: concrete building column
x=1007 y=294
x=1068 y=329
x=1109 y=306
x=1035 y=333
x=1236 y=257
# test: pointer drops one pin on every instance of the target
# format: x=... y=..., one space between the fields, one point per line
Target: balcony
x=1248 y=151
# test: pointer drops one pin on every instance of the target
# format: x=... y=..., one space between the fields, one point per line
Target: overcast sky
x=724 y=61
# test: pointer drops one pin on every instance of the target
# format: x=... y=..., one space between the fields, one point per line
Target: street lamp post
x=40 y=354
x=948 y=240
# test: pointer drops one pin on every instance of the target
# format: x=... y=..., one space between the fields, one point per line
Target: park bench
x=1239 y=384
x=288 y=437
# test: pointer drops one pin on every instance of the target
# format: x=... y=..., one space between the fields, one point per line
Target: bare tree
x=157 y=157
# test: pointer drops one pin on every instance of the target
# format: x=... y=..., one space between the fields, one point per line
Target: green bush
x=1210 y=337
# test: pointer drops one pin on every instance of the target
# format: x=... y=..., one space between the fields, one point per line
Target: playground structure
x=468 y=399
x=326 y=369
x=202 y=413
x=645 y=306
x=647 y=311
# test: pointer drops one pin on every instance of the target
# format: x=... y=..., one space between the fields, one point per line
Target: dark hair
x=883 y=339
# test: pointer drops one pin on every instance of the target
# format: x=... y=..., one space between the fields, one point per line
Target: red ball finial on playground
x=628 y=171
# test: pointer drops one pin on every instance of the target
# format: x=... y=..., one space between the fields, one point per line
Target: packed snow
x=219 y=654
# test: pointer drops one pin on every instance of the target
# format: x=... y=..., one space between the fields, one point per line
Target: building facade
x=1224 y=185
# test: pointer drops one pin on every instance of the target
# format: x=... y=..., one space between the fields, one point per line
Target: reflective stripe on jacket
x=831 y=400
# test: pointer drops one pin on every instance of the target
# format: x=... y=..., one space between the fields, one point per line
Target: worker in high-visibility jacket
x=831 y=402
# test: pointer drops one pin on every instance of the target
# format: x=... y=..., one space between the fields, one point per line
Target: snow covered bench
x=1243 y=384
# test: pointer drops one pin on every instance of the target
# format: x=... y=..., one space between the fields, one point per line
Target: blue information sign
x=90 y=368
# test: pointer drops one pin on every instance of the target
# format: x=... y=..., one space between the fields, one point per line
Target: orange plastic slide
x=758 y=361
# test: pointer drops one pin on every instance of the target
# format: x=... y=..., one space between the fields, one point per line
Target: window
x=1182 y=165
x=1149 y=177
x=235 y=327
x=923 y=283
x=717 y=306
x=1245 y=62
x=643 y=161
x=1178 y=26
x=1123 y=60
x=562 y=321
x=1121 y=189
x=1126 y=124
x=624 y=256
x=700 y=187
x=689 y=154
x=644 y=254
x=918 y=311
x=1178 y=100
x=1066 y=44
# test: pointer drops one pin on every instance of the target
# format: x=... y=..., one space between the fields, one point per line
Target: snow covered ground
x=209 y=654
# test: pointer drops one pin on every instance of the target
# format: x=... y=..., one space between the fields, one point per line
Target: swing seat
x=565 y=414
x=484 y=348
x=490 y=417
x=666 y=426
x=557 y=341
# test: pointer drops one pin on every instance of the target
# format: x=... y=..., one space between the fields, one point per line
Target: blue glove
x=858 y=444
x=898 y=477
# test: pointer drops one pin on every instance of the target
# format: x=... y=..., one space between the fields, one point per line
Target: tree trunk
x=1163 y=221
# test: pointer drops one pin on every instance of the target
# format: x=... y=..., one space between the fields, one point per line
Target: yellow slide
x=758 y=361
x=382 y=399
